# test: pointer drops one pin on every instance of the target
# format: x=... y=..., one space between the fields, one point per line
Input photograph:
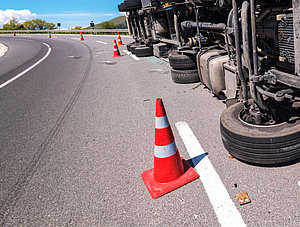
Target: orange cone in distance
x=116 y=50
x=14 y=34
x=49 y=35
x=170 y=170
x=81 y=36
x=119 y=40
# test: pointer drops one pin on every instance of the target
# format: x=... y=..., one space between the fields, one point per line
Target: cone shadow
x=194 y=161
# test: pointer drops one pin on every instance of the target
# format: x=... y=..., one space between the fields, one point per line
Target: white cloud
x=20 y=15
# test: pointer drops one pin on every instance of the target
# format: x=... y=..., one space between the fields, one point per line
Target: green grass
x=120 y=23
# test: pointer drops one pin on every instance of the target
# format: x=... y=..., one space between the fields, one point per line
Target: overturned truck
x=246 y=52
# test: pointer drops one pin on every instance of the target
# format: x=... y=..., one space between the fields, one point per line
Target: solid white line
x=29 y=68
x=131 y=55
x=134 y=57
x=101 y=42
x=226 y=212
x=3 y=49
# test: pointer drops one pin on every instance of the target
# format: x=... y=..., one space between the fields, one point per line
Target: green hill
x=118 y=22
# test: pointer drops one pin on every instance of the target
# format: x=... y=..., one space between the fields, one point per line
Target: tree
x=77 y=28
x=12 y=24
x=38 y=24
x=49 y=26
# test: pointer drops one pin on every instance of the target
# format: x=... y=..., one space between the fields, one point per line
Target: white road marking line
x=127 y=52
x=134 y=57
x=226 y=212
x=131 y=55
x=101 y=42
x=29 y=68
x=3 y=49
x=75 y=38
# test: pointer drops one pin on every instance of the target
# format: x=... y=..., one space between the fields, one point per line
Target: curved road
x=77 y=131
x=35 y=105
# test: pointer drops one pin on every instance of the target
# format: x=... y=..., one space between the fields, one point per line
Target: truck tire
x=133 y=46
x=185 y=76
x=261 y=145
x=129 y=45
x=181 y=61
x=143 y=51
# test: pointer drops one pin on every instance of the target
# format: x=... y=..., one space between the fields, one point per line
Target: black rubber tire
x=261 y=145
x=143 y=51
x=185 y=76
x=182 y=61
x=129 y=45
x=132 y=48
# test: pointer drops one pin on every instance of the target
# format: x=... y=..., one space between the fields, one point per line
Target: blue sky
x=69 y=13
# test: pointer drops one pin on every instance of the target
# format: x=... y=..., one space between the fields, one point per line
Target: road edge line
x=226 y=212
x=131 y=55
x=101 y=42
x=29 y=68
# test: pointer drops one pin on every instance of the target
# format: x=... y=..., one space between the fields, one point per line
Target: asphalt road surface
x=77 y=131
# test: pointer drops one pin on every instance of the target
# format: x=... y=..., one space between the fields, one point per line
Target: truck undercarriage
x=246 y=52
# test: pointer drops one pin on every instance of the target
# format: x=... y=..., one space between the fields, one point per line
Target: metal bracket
x=229 y=30
x=281 y=95
x=268 y=76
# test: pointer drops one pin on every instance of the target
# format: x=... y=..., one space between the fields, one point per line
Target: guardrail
x=68 y=31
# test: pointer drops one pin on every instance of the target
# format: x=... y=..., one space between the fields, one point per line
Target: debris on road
x=108 y=62
x=196 y=87
x=243 y=198
x=156 y=70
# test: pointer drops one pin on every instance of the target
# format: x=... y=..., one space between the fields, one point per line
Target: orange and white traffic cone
x=119 y=40
x=116 y=50
x=81 y=36
x=14 y=34
x=49 y=35
x=170 y=170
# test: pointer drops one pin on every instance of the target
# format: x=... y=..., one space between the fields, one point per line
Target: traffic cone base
x=157 y=189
